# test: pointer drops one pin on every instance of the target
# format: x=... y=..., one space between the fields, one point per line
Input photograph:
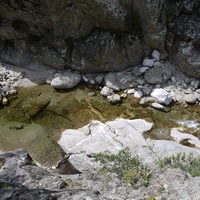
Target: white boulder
x=66 y=81
x=162 y=96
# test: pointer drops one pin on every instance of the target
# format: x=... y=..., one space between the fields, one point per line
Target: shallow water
x=35 y=118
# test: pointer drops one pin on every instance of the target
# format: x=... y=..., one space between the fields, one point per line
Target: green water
x=36 y=117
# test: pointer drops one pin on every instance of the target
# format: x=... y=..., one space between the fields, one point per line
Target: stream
x=36 y=117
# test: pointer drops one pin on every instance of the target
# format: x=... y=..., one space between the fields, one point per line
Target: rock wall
x=99 y=35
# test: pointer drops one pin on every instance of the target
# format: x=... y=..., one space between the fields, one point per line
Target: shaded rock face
x=183 y=37
x=98 y=35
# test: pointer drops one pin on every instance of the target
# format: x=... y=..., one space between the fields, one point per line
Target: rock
x=143 y=69
x=184 y=51
x=181 y=137
x=131 y=91
x=146 y=100
x=162 y=96
x=99 y=78
x=4 y=101
x=105 y=52
x=66 y=81
x=20 y=176
x=114 y=99
x=111 y=81
x=148 y=62
x=157 y=64
x=157 y=105
x=160 y=107
x=106 y=91
x=156 y=55
x=154 y=75
x=190 y=98
x=138 y=94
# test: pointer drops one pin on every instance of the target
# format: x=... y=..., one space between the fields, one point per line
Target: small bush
x=128 y=168
x=182 y=161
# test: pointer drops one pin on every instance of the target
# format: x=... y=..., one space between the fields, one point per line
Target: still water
x=36 y=117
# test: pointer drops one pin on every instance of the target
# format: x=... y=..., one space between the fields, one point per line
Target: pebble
x=4 y=101
x=138 y=94
x=148 y=62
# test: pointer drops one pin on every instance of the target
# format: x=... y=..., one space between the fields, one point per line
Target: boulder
x=162 y=96
x=185 y=52
x=66 y=81
x=104 y=52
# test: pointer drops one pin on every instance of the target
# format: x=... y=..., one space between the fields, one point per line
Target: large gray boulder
x=183 y=43
x=103 y=52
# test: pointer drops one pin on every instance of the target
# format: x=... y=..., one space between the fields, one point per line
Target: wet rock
x=114 y=99
x=66 y=81
x=162 y=96
x=106 y=91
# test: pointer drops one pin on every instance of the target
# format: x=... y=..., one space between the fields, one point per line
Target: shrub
x=128 y=168
x=182 y=161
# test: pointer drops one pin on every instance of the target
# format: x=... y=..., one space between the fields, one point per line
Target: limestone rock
x=106 y=91
x=162 y=96
x=66 y=81
x=114 y=99
x=190 y=98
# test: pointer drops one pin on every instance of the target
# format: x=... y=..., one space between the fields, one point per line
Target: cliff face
x=99 y=35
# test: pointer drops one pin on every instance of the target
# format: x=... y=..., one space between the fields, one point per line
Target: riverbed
x=35 y=118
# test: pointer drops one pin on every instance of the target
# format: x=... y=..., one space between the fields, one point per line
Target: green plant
x=128 y=168
x=187 y=163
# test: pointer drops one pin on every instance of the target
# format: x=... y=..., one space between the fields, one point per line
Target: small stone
x=114 y=99
x=99 y=79
x=138 y=94
x=106 y=91
x=156 y=55
x=140 y=81
x=157 y=105
x=148 y=62
x=4 y=101
x=190 y=98
x=131 y=91
x=92 y=82
x=143 y=69
x=157 y=64
x=123 y=96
